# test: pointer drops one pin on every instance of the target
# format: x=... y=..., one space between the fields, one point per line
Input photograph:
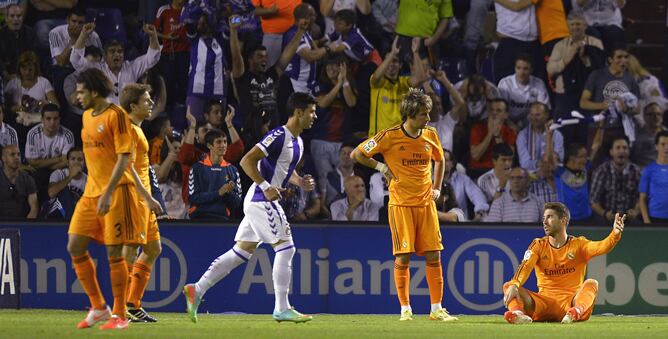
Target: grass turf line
x=62 y=324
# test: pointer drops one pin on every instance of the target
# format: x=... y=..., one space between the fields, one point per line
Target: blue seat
x=109 y=24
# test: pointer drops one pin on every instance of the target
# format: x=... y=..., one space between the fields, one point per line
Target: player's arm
x=153 y=204
x=439 y=171
x=249 y=164
x=122 y=163
x=306 y=182
x=596 y=248
x=362 y=159
x=523 y=272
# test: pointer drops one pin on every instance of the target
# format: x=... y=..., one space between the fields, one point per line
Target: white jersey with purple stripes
x=283 y=151
x=264 y=221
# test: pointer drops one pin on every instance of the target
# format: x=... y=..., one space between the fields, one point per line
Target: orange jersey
x=141 y=161
x=104 y=137
x=561 y=271
x=409 y=159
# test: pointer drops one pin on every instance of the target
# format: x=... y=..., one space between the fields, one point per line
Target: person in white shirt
x=495 y=181
x=518 y=33
x=66 y=185
x=62 y=37
x=354 y=206
x=521 y=90
x=476 y=92
x=445 y=123
x=119 y=71
x=8 y=134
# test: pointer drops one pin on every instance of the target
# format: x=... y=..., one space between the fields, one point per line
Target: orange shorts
x=414 y=229
x=553 y=308
x=150 y=221
x=118 y=226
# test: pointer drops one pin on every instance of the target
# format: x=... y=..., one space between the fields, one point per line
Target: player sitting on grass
x=561 y=262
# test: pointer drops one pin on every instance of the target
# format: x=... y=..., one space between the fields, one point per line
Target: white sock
x=406 y=308
x=282 y=274
x=221 y=267
x=436 y=307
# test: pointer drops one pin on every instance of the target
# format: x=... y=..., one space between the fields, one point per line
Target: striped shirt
x=489 y=182
x=508 y=209
x=301 y=72
x=358 y=47
x=465 y=189
x=282 y=152
x=8 y=135
x=542 y=189
x=207 y=67
x=614 y=189
x=531 y=147
x=40 y=146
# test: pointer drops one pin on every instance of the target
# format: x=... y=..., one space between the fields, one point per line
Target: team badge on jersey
x=570 y=255
x=100 y=128
x=426 y=147
x=404 y=244
x=527 y=255
x=370 y=145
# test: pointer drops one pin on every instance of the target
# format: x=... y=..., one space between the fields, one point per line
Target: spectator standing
x=118 y=70
x=385 y=14
x=477 y=92
x=358 y=48
x=354 y=206
x=572 y=60
x=521 y=90
x=62 y=38
x=215 y=189
x=424 y=19
x=66 y=185
x=15 y=38
x=276 y=17
x=174 y=60
x=517 y=204
x=495 y=181
x=653 y=189
x=256 y=82
x=170 y=180
x=604 y=18
x=329 y=8
x=533 y=139
x=18 y=193
x=614 y=183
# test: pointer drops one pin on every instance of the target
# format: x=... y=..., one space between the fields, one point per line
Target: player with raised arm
x=136 y=101
x=560 y=261
x=409 y=149
x=107 y=212
x=271 y=165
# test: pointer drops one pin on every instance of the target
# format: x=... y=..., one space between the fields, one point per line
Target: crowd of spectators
x=559 y=110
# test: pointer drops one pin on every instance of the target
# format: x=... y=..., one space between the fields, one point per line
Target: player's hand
x=511 y=293
x=435 y=194
x=618 y=225
x=273 y=193
x=103 y=204
x=308 y=183
x=154 y=206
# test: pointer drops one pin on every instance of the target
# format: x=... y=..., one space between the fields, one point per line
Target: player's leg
x=428 y=241
x=403 y=245
x=583 y=302
x=520 y=309
x=140 y=271
x=85 y=226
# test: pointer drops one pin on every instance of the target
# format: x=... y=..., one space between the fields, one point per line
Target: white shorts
x=264 y=222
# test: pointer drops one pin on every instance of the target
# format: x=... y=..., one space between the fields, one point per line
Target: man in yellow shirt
x=388 y=88
x=560 y=261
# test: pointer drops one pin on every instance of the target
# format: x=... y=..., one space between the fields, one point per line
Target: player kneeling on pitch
x=561 y=262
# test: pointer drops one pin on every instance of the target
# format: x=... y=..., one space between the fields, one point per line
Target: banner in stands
x=346 y=269
x=9 y=268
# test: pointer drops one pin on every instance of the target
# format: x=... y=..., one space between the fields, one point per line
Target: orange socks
x=435 y=281
x=141 y=273
x=119 y=284
x=585 y=299
x=85 y=270
x=514 y=304
x=402 y=280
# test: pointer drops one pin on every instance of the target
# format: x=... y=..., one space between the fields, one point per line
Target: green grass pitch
x=62 y=324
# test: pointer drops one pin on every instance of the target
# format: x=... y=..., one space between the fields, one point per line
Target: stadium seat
x=109 y=24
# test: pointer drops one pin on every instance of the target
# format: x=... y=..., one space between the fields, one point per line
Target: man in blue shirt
x=654 y=184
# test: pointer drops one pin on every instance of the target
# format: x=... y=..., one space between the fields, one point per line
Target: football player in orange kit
x=560 y=261
x=408 y=150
